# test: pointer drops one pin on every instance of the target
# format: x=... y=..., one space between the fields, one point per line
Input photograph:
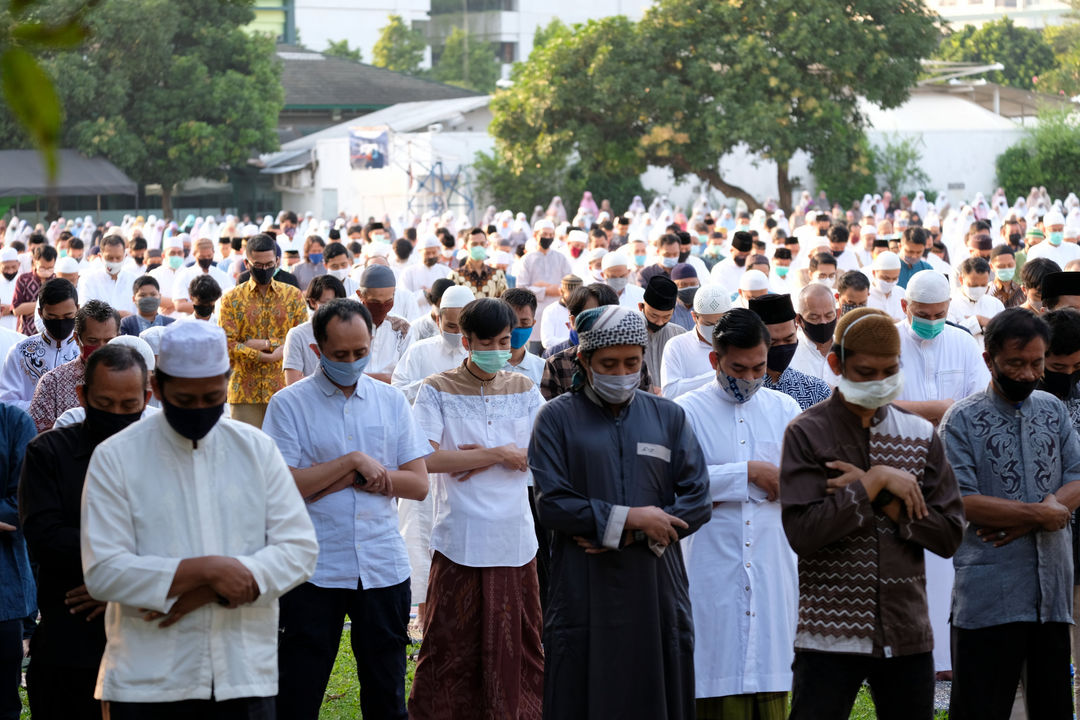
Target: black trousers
x=236 y=709
x=11 y=656
x=310 y=633
x=988 y=663
x=62 y=693
x=543 y=553
x=825 y=685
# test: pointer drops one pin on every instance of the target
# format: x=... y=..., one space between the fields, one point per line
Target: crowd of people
x=716 y=464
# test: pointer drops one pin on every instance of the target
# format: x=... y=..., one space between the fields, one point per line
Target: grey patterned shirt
x=1022 y=453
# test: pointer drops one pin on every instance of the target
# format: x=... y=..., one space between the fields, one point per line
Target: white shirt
x=809 y=361
x=76 y=415
x=419 y=277
x=8 y=340
x=949 y=367
x=484 y=521
x=389 y=342
x=964 y=311
x=888 y=303
x=97 y=284
x=312 y=422
x=166 y=278
x=727 y=274
x=298 y=354
x=423 y=359
x=685 y=364
x=186 y=275
x=742 y=572
x=7 y=294
x=423 y=327
x=847 y=262
x=152 y=498
x=1061 y=254
x=531 y=366
x=27 y=361
x=700 y=268
x=554 y=325
x=631 y=297
x=550 y=267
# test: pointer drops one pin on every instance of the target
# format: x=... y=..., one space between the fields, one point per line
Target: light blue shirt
x=531 y=366
x=313 y=422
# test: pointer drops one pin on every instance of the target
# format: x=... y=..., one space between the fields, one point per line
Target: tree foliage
x=846 y=170
x=483 y=66
x=1064 y=40
x=1049 y=155
x=399 y=47
x=1024 y=52
x=696 y=79
x=896 y=164
x=552 y=31
x=341 y=49
x=187 y=95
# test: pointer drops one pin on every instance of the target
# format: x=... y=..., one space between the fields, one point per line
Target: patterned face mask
x=738 y=389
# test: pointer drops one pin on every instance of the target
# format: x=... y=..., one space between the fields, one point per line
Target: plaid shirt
x=1010 y=295
x=559 y=371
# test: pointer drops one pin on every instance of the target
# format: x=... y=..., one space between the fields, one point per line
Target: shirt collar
x=329 y=389
x=836 y=400
x=253 y=286
x=1006 y=407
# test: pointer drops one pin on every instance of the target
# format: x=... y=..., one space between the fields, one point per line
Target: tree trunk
x=713 y=178
x=166 y=202
x=53 y=211
x=783 y=187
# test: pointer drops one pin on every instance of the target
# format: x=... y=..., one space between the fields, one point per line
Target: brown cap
x=868 y=330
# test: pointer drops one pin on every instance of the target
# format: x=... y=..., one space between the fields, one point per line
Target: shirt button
x=489 y=422
x=747 y=613
x=747 y=588
x=747 y=564
x=740 y=419
x=350 y=437
x=742 y=442
x=747 y=522
x=748 y=544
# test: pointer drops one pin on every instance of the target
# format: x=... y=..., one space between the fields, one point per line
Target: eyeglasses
x=263 y=266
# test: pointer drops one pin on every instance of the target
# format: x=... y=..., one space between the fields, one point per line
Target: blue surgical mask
x=670 y=262
x=314 y=258
x=490 y=361
x=520 y=336
x=639 y=260
x=573 y=337
x=927 y=329
x=345 y=374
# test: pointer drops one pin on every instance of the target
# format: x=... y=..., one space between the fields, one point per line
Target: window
x=445 y=7
x=506 y=52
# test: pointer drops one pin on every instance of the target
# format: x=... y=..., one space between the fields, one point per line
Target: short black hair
x=477 y=231
x=519 y=298
x=113 y=357
x=600 y=292
x=1064 y=327
x=44 y=252
x=485 y=318
x=976 y=265
x=914 y=235
x=237 y=244
x=1035 y=271
x=98 y=311
x=1014 y=323
x=76 y=244
x=403 y=248
x=321 y=284
x=669 y=239
x=56 y=291
x=838 y=234
x=291 y=217
x=37 y=239
x=822 y=258
x=261 y=243
x=1002 y=250
x=355 y=230
x=410 y=234
x=138 y=243
x=332 y=250
x=204 y=287
x=434 y=295
x=144 y=280
x=112 y=239
x=739 y=328
x=853 y=280
x=342 y=308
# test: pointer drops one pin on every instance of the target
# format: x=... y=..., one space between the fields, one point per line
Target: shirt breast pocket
x=950 y=385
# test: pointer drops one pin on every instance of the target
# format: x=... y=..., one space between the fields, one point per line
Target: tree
x=188 y=95
x=552 y=31
x=1024 y=52
x=481 y=71
x=696 y=79
x=1064 y=40
x=340 y=49
x=1049 y=155
x=399 y=47
x=846 y=170
x=897 y=164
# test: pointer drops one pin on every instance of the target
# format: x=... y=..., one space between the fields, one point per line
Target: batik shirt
x=804 y=389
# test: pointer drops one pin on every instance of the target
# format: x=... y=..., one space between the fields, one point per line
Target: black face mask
x=546 y=242
x=1060 y=385
x=740 y=260
x=192 y=423
x=653 y=327
x=205 y=263
x=11 y=276
x=683 y=255
x=153 y=266
x=139 y=260
x=780 y=356
x=59 y=328
x=262 y=276
x=430 y=261
x=1016 y=391
x=686 y=296
x=1015 y=238
x=204 y=309
x=101 y=425
x=819 y=332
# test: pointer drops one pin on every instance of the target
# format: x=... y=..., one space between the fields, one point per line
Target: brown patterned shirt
x=487 y=282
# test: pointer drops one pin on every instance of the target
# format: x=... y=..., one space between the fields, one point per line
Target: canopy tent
x=23 y=173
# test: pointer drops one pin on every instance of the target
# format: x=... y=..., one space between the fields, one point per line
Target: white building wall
x=1025 y=13
x=359 y=21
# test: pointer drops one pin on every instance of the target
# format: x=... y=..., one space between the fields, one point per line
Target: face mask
x=63 y=253
x=344 y=374
x=1016 y=391
x=262 y=276
x=873 y=393
x=205 y=263
x=152 y=266
x=714 y=251
x=615 y=389
x=341 y=274
x=848 y=307
x=430 y=261
x=520 y=336
x=44 y=275
x=975 y=293
x=101 y=425
x=738 y=389
x=575 y=252
x=573 y=338
x=478 y=254
x=59 y=328
x=86 y=351
x=1055 y=238
x=11 y=275
x=113 y=267
x=740 y=260
x=669 y=262
x=780 y=356
x=192 y=423
x=618 y=284
x=927 y=329
x=203 y=310
x=1015 y=238
x=315 y=258
x=1060 y=385
x=819 y=333
x=149 y=305
x=705 y=331
x=379 y=310
x=686 y=295
x=545 y=242
x=452 y=340
x=139 y=259
x=490 y=361
x=696 y=250
x=639 y=260
x=884 y=287
x=782 y=270
x=175 y=261
x=1005 y=274
x=683 y=256
x=828 y=282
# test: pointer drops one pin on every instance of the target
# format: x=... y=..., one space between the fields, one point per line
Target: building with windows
x=1025 y=13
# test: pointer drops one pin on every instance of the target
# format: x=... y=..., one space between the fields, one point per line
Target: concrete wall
x=359 y=21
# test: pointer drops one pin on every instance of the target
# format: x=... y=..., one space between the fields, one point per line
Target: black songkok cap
x=661 y=293
x=742 y=241
x=773 y=309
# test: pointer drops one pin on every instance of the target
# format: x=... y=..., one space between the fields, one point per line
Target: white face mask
x=975 y=293
x=114 y=267
x=883 y=286
x=872 y=393
x=341 y=273
x=453 y=341
x=618 y=284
